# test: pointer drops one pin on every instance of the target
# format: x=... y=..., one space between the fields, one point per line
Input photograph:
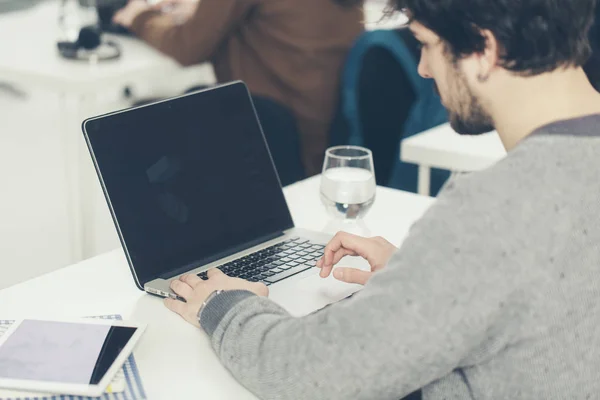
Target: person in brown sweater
x=291 y=51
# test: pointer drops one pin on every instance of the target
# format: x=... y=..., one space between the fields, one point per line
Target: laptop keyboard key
x=288 y=273
x=275 y=262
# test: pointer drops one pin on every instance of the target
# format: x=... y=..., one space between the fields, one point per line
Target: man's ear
x=488 y=59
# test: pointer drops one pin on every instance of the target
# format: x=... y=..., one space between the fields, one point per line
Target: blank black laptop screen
x=188 y=179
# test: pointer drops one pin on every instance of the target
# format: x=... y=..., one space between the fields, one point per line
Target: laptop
x=191 y=186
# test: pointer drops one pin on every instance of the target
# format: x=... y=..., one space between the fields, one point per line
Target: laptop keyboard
x=274 y=263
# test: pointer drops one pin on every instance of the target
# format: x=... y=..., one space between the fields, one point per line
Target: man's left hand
x=195 y=291
x=126 y=15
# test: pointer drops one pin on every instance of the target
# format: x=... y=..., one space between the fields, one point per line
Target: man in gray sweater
x=495 y=293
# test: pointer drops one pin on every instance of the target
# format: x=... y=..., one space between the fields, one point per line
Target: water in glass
x=348 y=182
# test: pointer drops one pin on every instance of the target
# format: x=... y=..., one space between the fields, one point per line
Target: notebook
x=126 y=384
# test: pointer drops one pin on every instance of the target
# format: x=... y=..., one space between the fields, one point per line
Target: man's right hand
x=377 y=251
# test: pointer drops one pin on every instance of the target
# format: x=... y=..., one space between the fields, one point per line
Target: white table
x=441 y=147
x=29 y=60
x=175 y=359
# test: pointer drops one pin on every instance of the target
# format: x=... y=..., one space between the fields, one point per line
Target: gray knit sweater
x=495 y=294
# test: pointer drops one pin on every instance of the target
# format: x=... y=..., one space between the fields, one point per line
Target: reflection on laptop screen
x=188 y=179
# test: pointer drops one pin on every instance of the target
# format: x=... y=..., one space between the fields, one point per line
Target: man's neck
x=532 y=102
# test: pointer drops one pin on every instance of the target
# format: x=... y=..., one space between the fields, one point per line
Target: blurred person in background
x=291 y=51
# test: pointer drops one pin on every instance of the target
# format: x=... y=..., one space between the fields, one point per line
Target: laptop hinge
x=227 y=253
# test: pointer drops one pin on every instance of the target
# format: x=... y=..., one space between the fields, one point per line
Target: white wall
x=33 y=212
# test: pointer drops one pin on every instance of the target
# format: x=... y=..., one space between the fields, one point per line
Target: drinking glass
x=348 y=183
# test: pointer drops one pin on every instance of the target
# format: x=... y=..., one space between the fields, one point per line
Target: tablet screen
x=63 y=352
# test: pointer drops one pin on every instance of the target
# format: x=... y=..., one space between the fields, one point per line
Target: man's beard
x=465 y=112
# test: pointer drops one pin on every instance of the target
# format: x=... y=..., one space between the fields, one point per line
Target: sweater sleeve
x=195 y=40
x=438 y=299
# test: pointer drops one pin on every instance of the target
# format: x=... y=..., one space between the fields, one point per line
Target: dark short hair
x=534 y=36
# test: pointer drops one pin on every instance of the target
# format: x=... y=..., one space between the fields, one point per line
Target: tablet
x=76 y=357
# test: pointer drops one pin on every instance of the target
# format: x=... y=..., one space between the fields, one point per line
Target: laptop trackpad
x=329 y=288
x=310 y=294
